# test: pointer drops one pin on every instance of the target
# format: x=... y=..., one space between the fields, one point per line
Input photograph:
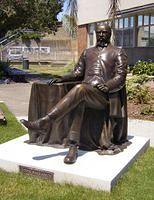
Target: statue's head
x=103 y=33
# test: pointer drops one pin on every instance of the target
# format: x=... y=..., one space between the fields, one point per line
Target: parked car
x=14 y=55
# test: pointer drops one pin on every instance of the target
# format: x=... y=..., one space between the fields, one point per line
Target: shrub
x=1 y=71
x=1 y=74
x=140 y=79
x=139 y=94
x=129 y=68
x=142 y=67
x=31 y=35
x=137 y=91
x=148 y=110
x=2 y=66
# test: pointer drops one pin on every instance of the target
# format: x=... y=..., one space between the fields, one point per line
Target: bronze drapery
x=44 y=97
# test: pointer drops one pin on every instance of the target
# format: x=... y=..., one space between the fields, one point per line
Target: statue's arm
x=76 y=74
x=118 y=81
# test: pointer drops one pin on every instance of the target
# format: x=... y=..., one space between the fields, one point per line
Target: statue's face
x=103 y=34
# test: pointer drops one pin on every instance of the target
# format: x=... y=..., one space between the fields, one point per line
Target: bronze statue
x=102 y=71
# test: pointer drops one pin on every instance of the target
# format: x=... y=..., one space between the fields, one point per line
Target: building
x=58 y=49
x=134 y=26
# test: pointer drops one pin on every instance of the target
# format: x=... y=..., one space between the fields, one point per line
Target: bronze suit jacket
x=106 y=65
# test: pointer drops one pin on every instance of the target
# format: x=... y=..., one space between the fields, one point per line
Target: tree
x=70 y=25
x=113 y=9
x=70 y=18
x=72 y=9
x=112 y=13
x=38 y=15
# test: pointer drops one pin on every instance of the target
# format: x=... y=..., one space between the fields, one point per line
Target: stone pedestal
x=91 y=170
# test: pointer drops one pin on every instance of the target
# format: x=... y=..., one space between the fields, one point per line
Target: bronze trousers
x=79 y=97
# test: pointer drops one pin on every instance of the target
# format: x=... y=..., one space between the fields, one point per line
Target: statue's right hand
x=54 y=80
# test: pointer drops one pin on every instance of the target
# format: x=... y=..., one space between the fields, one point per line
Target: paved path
x=141 y=128
x=16 y=97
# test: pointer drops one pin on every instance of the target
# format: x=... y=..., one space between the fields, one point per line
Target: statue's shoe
x=72 y=155
x=36 y=125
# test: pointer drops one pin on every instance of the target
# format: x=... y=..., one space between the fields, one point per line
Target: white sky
x=61 y=13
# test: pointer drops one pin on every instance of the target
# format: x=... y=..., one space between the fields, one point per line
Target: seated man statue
x=102 y=70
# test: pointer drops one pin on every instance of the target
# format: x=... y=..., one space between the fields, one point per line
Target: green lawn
x=47 y=70
x=136 y=184
x=13 y=128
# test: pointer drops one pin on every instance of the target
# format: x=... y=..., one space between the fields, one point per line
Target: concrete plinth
x=91 y=170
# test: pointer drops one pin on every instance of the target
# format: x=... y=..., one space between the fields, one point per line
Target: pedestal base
x=91 y=170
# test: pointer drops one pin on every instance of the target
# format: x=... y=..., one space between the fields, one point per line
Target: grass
x=48 y=71
x=136 y=184
x=13 y=128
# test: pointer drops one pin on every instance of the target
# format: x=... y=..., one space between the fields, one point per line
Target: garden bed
x=134 y=109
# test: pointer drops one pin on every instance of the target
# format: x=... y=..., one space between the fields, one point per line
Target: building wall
x=136 y=39
x=125 y=4
x=139 y=53
x=58 y=47
x=90 y=11
x=82 y=38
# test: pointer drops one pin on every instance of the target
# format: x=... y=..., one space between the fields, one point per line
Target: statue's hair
x=106 y=25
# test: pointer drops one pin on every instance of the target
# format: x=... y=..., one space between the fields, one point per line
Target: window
x=121 y=23
x=131 y=21
x=45 y=50
x=29 y=50
x=152 y=20
x=118 y=38
x=116 y=23
x=140 y=20
x=145 y=35
x=146 y=20
x=151 y=42
x=124 y=31
x=126 y=23
x=15 y=50
x=91 y=34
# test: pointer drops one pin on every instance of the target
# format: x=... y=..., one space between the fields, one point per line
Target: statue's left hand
x=102 y=87
x=54 y=80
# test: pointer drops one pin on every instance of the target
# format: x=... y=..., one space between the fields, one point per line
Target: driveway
x=16 y=97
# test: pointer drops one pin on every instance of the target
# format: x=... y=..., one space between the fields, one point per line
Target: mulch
x=134 y=112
